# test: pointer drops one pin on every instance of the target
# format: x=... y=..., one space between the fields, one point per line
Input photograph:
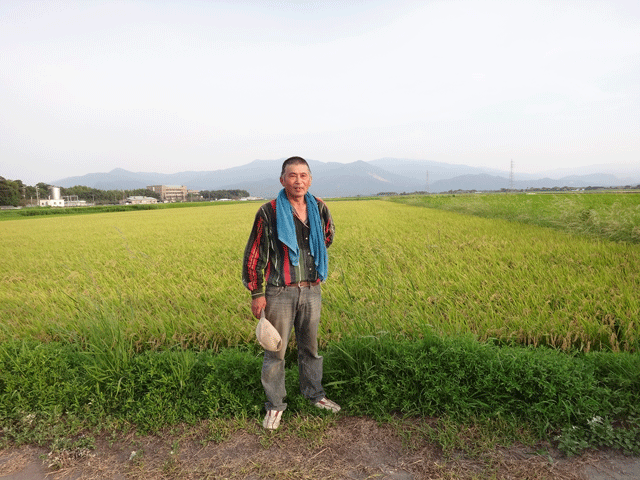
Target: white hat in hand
x=267 y=335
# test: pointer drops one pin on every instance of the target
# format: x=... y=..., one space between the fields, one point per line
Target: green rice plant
x=48 y=211
x=171 y=278
x=614 y=216
x=461 y=274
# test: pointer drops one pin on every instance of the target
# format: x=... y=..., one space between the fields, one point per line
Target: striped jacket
x=266 y=259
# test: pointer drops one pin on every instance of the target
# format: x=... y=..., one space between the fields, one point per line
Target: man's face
x=296 y=180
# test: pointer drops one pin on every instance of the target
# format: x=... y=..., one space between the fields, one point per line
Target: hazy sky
x=167 y=86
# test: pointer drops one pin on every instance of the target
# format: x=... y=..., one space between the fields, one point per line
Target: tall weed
x=463 y=379
x=550 y=393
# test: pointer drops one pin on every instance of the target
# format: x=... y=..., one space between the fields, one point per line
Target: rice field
x=614 y=216
x=171 y=277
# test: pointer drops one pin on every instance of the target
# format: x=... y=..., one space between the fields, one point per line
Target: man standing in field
x=284 y=262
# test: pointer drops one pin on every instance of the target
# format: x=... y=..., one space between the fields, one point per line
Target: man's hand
x=257 y=305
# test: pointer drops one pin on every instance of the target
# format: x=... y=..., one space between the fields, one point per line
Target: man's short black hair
x=293 y=161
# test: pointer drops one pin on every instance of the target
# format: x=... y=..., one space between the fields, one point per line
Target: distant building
x=170 y=193
x=137 y=200
x=74 y=201
x=56 y=201
x=51 y=202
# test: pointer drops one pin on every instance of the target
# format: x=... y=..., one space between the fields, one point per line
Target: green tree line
x=218 y=194
x=15 y=193
x=101 y=197
x=11 y=192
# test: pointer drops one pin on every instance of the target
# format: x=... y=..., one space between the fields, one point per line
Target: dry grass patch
x=334 y=448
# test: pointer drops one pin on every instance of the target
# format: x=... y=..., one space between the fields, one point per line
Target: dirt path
x=344 y=448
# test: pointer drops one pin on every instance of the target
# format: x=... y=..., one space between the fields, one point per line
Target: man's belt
x=304 y=284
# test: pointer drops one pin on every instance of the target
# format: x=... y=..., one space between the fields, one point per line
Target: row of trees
x=102 y=197
x=218 y=194
x=15 y=193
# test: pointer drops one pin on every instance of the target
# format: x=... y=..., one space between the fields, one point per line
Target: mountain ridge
x=358 y=178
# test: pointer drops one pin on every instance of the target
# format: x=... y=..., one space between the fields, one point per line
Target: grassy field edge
x=56 y=389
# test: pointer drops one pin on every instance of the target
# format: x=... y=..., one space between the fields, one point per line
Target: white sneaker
x=328 y=405
x=272 y=419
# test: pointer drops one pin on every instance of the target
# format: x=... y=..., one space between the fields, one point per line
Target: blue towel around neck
x=287 y=232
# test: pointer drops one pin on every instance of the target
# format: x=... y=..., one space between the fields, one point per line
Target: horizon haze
x=260 y=178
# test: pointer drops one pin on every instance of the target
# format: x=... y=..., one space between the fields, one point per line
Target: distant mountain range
x=260 y=178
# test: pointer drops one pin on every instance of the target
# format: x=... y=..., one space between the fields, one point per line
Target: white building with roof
x=139 y=200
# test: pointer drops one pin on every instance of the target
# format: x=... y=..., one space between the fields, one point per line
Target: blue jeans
x=293 y=308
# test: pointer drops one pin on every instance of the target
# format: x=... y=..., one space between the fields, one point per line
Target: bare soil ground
x=330 y=448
